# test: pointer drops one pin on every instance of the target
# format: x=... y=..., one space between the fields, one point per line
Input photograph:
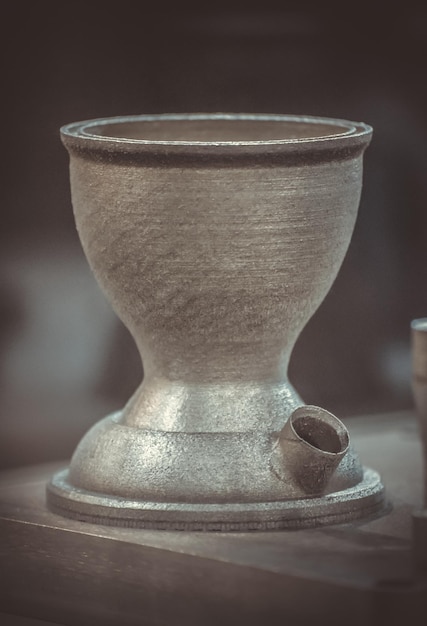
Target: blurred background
x=65 y=359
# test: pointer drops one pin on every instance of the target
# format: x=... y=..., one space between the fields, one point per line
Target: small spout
x=309 y=448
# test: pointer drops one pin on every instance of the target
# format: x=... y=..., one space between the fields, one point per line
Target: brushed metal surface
x=215 y=237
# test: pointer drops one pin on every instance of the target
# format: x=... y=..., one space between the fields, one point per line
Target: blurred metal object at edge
x=419 y=388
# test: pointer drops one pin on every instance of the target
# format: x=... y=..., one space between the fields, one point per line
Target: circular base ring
x=363 y=500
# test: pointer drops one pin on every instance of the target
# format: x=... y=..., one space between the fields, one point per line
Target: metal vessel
x=216 y=237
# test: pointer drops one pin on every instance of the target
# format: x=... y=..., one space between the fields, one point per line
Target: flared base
x=360 y=501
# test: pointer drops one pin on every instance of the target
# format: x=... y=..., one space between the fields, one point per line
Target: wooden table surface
x=71 y=572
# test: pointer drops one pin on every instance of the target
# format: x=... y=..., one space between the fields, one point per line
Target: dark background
x=64 y=359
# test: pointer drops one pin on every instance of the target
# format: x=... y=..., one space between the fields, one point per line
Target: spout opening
x=320 y=429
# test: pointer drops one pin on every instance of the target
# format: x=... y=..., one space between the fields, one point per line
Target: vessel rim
x=82 y=136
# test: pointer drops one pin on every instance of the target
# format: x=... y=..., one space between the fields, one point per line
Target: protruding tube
x=310 y=447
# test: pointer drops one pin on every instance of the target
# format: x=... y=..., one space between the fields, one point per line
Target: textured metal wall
x=64 y=359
